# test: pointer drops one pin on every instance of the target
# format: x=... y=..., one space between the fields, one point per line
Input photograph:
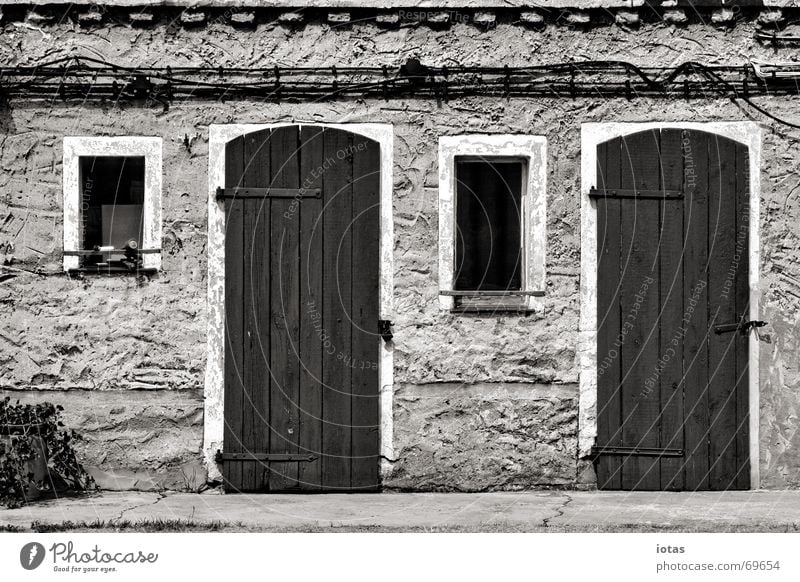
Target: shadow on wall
x=7 y=125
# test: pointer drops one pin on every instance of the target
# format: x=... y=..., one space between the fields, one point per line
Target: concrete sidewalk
x=504 y=511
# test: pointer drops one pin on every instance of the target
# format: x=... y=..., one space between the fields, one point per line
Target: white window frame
x=533 y=148
x=126 y=146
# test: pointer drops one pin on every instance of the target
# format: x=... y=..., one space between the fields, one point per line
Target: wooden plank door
x=672 y=208
x=301 y=303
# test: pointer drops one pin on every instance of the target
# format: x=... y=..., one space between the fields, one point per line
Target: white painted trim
x=534 y=149
x=592 y=135
x=214 y=420
x=150 y=149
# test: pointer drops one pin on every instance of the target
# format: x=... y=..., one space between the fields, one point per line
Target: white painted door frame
x=214 y=418
x=592 y=135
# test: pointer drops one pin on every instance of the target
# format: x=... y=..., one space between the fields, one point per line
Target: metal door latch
x=385 y=329
x=742 y=328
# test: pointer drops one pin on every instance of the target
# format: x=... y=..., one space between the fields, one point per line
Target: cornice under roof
x=421 y=4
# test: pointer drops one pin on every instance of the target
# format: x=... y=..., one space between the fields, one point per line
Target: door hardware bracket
x=385 y=329
x=742 y=328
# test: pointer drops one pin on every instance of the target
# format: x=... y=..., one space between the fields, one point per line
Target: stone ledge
x=143 y=17
x=486 y=390
x=382 y=4
x=485 y=18
x=676 y=16
x=291 y=17
x=192 y=18
x=246 y=18
x=338 y=17
x=186 y=477
x=627 y=18
x=90 y=17
x=576 y=14
x=532 y=17
x=770 y=17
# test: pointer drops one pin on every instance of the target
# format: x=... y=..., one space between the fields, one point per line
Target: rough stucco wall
x=146 y=440
x=118 y=335
x=127 y=339
x=482 y=437
x=780 y=364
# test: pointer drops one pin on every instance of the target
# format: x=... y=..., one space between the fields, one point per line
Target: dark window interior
x=112 y=203
x=488 y=219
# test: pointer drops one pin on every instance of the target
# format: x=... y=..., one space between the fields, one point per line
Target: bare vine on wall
x=31 y=434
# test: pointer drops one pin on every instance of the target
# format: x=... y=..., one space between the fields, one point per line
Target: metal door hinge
x=221 y=457
x=241 y=193
x=385 y=329
x=635 y=194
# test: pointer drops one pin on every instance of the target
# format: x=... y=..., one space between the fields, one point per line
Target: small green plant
x=36 y=454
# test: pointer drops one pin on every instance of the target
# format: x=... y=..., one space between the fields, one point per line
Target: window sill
x=112 y=271
x=505 y=302
x=480 y=293
x=496 y=309
x=112 y=261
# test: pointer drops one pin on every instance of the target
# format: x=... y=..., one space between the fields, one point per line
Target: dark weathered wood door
x=301 y=309
x=672 y=210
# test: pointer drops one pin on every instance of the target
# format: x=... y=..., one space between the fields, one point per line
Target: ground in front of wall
x=537 y=511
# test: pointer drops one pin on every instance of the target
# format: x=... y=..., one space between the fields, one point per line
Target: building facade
x=466 y=283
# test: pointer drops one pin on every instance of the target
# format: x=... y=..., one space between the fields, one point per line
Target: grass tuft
x=147 y=526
